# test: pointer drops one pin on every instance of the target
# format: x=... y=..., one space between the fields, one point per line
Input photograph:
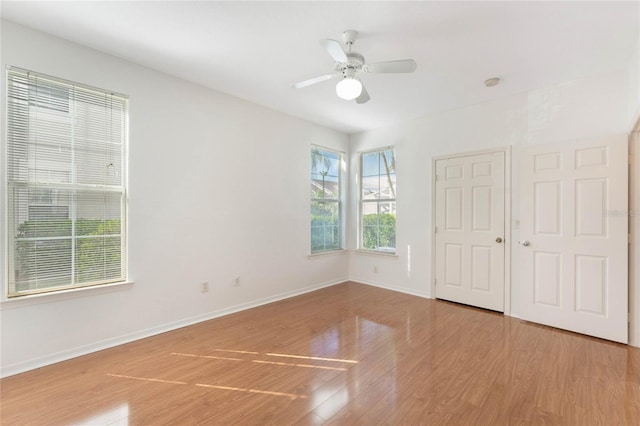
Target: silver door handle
x=524 y=243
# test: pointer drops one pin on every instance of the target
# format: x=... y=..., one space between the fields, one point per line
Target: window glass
x=326 y=201
x=378 y=201
x=65 y=184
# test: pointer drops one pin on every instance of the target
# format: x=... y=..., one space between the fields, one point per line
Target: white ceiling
x=257 y=50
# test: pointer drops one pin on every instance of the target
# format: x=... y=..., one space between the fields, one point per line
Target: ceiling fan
x=350 y=64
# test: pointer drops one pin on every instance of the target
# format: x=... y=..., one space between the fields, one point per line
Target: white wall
x=585 y=108
x=634 y=231
x=633 y=81
x=634 y=195
x=219 y=187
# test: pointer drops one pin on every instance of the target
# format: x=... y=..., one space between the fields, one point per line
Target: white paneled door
x=470 y=230
x=573 y=237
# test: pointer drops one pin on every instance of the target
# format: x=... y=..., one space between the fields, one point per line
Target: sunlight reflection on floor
x=202 y=385
x=116 y=416
x=290 y=395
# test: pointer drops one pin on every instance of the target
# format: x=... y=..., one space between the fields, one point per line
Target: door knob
x=498 y=240
x=524 y=243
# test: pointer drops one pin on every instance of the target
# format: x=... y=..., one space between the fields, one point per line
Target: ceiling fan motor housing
x=353 y=66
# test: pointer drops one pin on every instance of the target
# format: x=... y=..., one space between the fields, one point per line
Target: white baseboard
x=31 y=364
x=20 y=367
x=399 y=289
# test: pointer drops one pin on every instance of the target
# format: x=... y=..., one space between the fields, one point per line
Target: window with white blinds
x=66 y=184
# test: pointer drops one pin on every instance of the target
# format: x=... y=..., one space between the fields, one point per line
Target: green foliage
x=97 y=251
x=325 y=226
x=62 y=228
x=378 y=231
x=99 y=258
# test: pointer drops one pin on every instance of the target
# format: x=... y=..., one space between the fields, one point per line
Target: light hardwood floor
x=348 y=354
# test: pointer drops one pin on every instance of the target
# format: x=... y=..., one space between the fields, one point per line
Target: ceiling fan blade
x=313 y=81
x=364 y=96
x=334 y=49
x=403 y=65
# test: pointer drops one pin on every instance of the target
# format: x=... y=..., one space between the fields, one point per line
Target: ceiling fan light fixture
x=349 y=88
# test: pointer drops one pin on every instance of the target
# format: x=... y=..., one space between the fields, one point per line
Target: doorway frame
x=507 y=217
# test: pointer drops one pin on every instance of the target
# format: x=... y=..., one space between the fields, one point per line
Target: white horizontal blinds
x=66 y=184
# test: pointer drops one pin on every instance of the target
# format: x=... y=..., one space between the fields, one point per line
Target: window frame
x=74 y=187
x=362 y=202
x=339 y=201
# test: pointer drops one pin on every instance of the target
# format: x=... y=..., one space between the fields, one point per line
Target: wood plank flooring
x=348 y=354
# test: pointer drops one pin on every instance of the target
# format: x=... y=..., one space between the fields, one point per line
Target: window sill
x=376 y=253
x=327 y=253
x=57 y=296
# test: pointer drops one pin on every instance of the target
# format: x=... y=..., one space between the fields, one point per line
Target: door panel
x=591 y=205
x=547 y=208
x=574 y=260
x=453 y=259
x=453 y=213
x=469 y=218
x=591 y=284
x=481 y=208
x=547 y=279
x=481 y=268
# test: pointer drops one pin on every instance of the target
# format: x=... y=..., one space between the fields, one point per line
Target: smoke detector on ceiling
x=492 y=82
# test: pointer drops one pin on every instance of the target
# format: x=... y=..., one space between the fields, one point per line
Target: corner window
x=326 y=200
x=66 y=177
x=378 y=201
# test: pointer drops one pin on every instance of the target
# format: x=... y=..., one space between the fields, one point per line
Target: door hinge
x=435 y=230
x=435 y=281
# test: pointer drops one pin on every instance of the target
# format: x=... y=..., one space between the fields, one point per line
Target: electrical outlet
x=375 y=269
x=204 y=287
x=236 y=281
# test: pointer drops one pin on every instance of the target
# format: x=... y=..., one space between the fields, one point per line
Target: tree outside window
x=378 y=200
x=326 y=203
